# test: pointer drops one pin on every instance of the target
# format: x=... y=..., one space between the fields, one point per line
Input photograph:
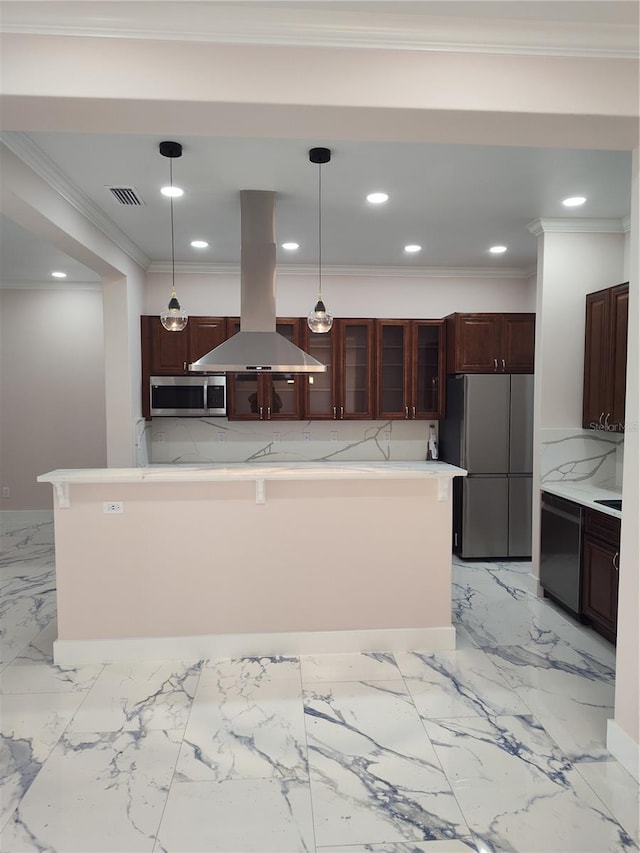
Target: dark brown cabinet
x=490 y=343
x=600 y=563
x=170 y=353
x=605 y=358
x=347 y=390
x=277 y=396
x=410 y=369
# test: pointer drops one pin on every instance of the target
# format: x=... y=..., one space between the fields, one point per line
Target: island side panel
x=189 y=559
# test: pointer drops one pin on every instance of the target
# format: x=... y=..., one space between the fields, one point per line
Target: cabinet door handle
x=184 y=365
x=503 y=364
x=414 y=411
x=615 y=560
x=268 y=413
x=334 y=413
x=495 y=364
x=406 y=411
x=261 y=413
x=341 y=412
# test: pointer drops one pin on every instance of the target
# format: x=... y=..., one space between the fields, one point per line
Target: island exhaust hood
x=257 y=347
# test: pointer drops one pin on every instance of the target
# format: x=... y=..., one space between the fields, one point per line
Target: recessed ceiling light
x=412 y=247
x=290 y=247
x=574 y=201
x=377 y=198
x=59 y=274
x=199 y=244
x=498 y=250
x=172 y=192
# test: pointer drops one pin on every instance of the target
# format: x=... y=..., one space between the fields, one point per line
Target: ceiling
x=454 y=200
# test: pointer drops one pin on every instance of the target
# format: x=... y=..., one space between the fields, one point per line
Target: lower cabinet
x=600 y=562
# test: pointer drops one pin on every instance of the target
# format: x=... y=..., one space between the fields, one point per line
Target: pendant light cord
x=320 y=232
x=173 y=258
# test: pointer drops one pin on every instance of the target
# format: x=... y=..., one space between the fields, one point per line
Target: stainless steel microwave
x=203 y=396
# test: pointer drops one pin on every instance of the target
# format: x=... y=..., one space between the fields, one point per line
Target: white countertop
x=229 y=472
x=585 y=494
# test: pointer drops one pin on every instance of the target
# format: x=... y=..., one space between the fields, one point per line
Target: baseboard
x=253 y=645
x=623 y=748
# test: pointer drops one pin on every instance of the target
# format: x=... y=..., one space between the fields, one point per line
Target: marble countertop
x=229 y=472
x=585 y=494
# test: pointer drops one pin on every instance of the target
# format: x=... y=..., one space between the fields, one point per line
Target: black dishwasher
x=560 y=551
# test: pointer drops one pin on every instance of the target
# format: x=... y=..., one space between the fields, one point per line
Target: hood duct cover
x=257 y=347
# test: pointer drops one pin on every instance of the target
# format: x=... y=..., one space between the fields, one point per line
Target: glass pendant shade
x=319 y=319
x=173 y=318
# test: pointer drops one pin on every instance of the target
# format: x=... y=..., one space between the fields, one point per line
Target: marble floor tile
x=569 y=692
x=457 y=846
x=457 y=684
x=27 y=605
x=618 y=790
x=139 y=697
x=371 y=666
x=96 y=793
x=33 y=670
x=243 y=728
x=374 y=774
x=30 y=726
x=236 y=670
x=519 y=792
x=240 y=815
x=497 y=609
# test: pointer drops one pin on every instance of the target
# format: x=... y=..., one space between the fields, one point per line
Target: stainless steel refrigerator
x=489 y=431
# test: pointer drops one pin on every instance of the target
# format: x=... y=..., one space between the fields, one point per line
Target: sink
x=612 y=504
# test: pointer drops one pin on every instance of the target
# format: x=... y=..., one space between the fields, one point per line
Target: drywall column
x=123 y=305
x=575 y=257
x=623 y=733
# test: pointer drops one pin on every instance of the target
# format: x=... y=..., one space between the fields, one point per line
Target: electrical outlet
x=222 y=437
x=276 y=436
x=5 y=491
x=113 y=507
x=334 y=435
x=306 y=436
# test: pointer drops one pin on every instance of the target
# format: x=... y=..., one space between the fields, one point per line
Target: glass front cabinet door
x=411 y=369
x=347 y=390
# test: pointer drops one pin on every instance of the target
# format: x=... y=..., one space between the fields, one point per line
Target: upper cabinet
x=490 y=343
x=605 y=358
x=266 y=397
x=346 y=391
x=170 y=353
x=410 y=368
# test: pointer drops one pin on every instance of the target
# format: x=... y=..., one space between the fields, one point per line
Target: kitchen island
x=186 y=562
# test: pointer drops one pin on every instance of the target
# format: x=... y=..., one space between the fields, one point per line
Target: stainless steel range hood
x=257 y=347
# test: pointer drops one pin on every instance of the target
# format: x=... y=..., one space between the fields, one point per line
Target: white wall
x=51 y=387
x=375 y=295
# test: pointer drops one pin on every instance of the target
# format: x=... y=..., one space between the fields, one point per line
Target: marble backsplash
x=204 y=440
x=582 y=455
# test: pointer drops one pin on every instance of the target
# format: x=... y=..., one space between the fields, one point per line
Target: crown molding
x=576 y=226
x=200 y=268
x=367 y=28
x=33 y=156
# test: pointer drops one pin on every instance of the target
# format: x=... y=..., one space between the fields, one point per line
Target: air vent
x=126 y=195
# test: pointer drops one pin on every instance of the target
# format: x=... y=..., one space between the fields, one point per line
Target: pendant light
x=320 y=320
x=173 y=318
